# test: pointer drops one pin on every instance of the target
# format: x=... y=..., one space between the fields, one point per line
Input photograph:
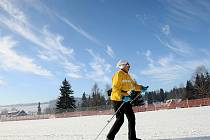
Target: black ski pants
x=128 y=111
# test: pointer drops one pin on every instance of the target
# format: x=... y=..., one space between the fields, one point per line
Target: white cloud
x=176 y=45
x=164 y=61
x=170 y=68
x=2 y=82
x=133 y=76
x=148 y=56
x=13 y=11
x=50 y=44
x=45 y=39
x=109 y=51
x=59 y=53
x=20 y=28
x=168 y=73
x=73 y=70
x=205 y=52
x=142 y=18
x=138 y=52
x=79 y=30
x=85 y=34
x=166 y=29
x=53 y=42
x=181 y=46
x=165 y=69
x=99 y=67
x=187 y=14
x=193 y=64
x=44 y=9
x=11 y=60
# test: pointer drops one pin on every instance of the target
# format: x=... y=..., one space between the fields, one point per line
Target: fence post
x=187 y=104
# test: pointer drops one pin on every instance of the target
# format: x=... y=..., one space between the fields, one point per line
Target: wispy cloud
x=148 y=56
x=142 y=18
x=166 y=29
x=193 y=64
x=2 y=82
x=178 y=46
x=57 y=52
x=74 y=70
x=187 y=13
x=50 y=44
x=134 y=76
x=53 y=42
x=169 y=68
x=44 y=9
x=99 y=67
x=195 y=9
x=12 y=11
x=109 y=51
x=79 y=30
x=164 y=69
x=10 y=60
x=163 y=33
x=85 y=34
x=205 y=52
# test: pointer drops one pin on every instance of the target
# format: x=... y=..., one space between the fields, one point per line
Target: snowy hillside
x=29 y=108
x=32 y=107
x=162 y=124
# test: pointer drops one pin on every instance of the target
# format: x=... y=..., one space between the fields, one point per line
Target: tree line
x=197 y=87
x=97 y=98
x=66 y=101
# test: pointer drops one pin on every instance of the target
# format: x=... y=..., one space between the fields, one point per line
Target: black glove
x=143 y=88
x=109 y=92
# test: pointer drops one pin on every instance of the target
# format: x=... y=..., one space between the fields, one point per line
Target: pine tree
x=200 y=82
x=150 y=97
x=201 y=85
x=66 y=101
x=39 y=109
x=162 y=95
x=89 y=100
x=190 y=93
x=208 y=84
x=84 y=100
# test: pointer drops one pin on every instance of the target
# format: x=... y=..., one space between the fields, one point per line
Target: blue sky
x=42 y=42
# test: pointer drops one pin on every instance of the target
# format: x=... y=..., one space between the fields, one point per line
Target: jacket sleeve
x=136 y=86
x=116 y=83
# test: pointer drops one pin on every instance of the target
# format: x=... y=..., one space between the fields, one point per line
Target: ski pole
x=114 y=115
x=109 y=121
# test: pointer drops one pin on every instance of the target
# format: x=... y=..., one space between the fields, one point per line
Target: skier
x=122 y=87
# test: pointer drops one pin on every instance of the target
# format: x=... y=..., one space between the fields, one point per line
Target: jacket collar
x=124 y=71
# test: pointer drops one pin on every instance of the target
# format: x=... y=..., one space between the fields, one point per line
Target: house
x=16 y=113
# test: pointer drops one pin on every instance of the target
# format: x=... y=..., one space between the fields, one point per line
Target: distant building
x=16 y=113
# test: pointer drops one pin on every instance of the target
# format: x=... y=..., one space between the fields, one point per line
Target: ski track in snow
x=182 y=123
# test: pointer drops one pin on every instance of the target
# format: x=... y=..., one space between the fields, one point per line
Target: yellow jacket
x=122 y=81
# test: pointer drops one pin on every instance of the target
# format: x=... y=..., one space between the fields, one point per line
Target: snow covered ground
x=185 y=123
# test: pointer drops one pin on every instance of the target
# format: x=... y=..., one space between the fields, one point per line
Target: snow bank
x=162 y=124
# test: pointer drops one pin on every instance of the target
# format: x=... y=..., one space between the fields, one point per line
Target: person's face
x=127 y=67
